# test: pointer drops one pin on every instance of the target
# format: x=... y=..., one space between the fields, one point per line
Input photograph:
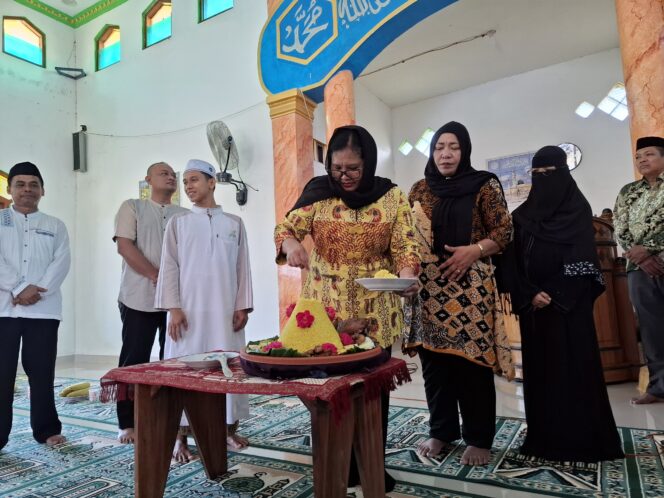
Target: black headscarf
x=452 y=218
x=25 y=168
x=555 y=210
x=557 y=213
x=371 y=187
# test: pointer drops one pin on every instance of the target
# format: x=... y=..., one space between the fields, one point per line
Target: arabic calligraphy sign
x=305 y=42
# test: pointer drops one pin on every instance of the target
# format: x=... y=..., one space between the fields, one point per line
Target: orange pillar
x=339 y=98
x=641 y=29
x=292 y=145
x=272 y=6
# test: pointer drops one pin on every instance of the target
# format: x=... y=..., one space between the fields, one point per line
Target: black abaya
x=567 y=406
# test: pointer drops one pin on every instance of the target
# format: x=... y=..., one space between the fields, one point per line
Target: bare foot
x=55 y=439
x=181 y=453
x=126 y=436
x=431 y=447
x=646 y=399
x=233 y=439
x=475 y=456
x=237 y=442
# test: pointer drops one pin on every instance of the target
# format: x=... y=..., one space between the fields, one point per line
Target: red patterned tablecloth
x=118 y=383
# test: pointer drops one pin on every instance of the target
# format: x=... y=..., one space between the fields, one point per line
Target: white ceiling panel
x=529 y=34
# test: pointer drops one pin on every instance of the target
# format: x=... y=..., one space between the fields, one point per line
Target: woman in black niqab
x=567 y=406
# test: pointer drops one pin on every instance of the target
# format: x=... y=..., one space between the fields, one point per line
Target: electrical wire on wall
x=179 y=130
x=486 y=34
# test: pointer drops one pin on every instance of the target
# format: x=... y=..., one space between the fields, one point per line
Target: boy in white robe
x=205 y=284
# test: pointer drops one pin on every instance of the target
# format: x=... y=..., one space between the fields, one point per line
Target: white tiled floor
x=509 y=403
x=510 y=400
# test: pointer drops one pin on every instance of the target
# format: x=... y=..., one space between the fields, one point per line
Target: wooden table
x=163 y=390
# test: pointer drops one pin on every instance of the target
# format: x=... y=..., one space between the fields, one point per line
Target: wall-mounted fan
x=225 y=152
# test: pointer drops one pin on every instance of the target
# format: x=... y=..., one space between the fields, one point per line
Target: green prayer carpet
x=282 y=423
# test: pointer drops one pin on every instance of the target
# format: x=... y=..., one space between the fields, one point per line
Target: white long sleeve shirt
x=34 y=249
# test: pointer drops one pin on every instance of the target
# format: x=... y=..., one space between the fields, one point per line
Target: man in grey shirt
x=139 y=233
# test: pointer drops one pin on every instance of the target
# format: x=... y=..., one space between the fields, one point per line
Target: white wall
x=204 y=72
x=36 y=122
x=370 y=113
x=374 y=115
x=525 y=112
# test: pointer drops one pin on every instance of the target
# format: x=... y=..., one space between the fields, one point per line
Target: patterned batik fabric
x=465 y=317
x=491 y=218
x=351 y=244
x=638 y=217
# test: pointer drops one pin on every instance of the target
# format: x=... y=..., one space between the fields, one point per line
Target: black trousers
x=40 y=348
x=138 y=333
x=354 y=474
x=454 y=384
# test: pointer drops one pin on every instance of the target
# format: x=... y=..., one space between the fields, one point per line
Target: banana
x=74 y=387
x=80 y=393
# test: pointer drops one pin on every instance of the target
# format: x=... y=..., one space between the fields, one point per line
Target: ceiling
x=70 y=7
x=530 y=34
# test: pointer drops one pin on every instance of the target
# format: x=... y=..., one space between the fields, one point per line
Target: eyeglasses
x=352 y=173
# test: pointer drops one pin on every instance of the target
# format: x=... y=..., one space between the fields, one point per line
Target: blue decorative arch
x=305 y=42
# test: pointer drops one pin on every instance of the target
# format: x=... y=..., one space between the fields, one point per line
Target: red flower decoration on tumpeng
x=273 y=345
x=328 y=347
x=289 y=310
x=331 y=313
x=346 y=339
x=304 y=319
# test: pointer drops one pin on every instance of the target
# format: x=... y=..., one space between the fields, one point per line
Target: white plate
x=386 y=284
x=207 y=360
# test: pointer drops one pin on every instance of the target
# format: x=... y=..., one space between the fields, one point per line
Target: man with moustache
x=139 y=233
x=34 y=261
x=205 y=284
x=639 y=224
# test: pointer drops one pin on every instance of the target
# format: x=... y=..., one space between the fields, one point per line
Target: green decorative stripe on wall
x=47 y=11
x=79 y=19
x=95 y=11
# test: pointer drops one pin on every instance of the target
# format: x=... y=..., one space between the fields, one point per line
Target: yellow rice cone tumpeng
x=304 y=339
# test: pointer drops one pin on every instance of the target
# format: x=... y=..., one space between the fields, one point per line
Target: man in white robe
x=205 y=284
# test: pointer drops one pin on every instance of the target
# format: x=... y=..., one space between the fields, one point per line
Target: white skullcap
x=202 y=166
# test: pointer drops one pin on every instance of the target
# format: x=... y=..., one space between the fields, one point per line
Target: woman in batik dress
x=360 y=224
x=461 y=219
